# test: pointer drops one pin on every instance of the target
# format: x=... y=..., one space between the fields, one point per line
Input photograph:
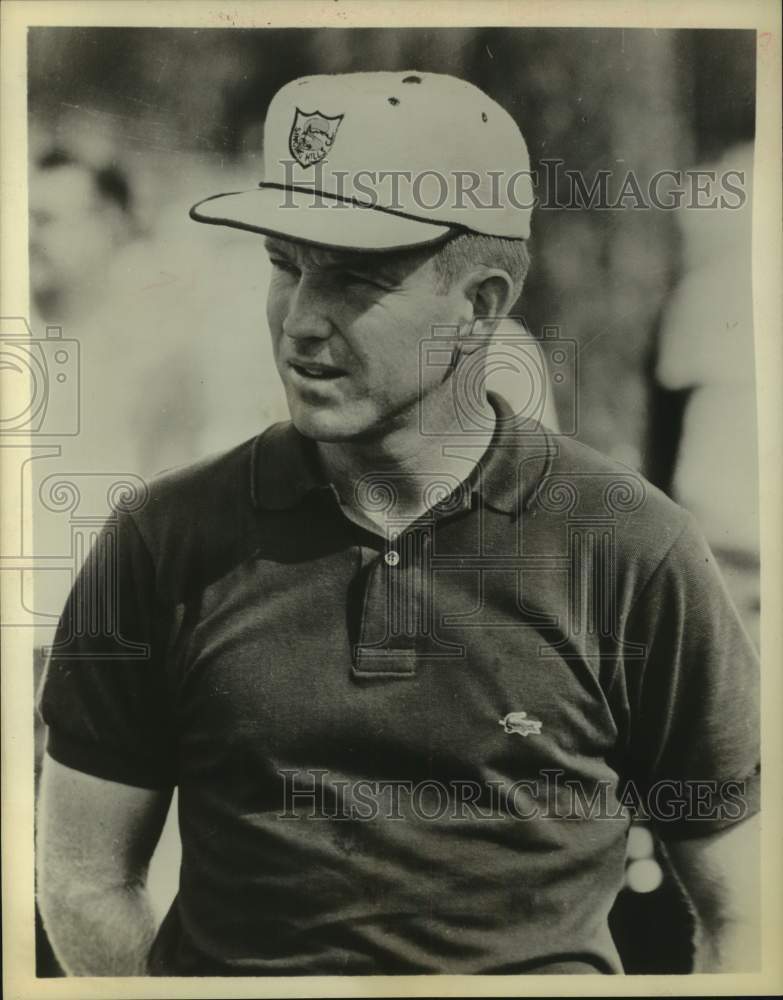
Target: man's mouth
x=315 y=370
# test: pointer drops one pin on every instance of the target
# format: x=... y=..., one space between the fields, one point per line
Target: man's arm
x=720 y=874
x=95 y=841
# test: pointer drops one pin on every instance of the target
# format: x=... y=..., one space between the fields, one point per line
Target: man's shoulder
x=588 y=488
x=187 y=489
x=204 y=509
x=215 y=478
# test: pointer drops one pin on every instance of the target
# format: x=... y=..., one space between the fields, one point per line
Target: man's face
x=346 y=329
x=72 y=232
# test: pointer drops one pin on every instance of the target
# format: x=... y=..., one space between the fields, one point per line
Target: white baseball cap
x=380 y=161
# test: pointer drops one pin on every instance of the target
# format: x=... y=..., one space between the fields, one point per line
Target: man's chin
x=323 y=435
x=329 y=428
x=359 y=423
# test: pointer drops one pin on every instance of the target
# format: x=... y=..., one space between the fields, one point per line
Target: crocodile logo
x=518 y=722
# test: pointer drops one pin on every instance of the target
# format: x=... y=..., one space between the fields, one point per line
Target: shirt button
x=392 y=558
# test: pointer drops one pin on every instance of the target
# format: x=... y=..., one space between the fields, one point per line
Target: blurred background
x=129 y=127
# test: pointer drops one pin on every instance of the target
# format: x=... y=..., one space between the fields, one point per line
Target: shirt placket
x=397 y=626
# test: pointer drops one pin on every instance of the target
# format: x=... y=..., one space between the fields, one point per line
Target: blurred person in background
x=707 y=351
x=80 y=216
x=96 y=271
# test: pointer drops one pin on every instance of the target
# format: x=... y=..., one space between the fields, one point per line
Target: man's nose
x=308 y=313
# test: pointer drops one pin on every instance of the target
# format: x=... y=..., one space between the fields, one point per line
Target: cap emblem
x=312 y=136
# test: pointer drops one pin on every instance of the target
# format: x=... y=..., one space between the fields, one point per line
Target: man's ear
x=491 y=293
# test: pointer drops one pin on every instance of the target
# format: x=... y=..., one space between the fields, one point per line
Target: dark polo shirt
x=406 y=753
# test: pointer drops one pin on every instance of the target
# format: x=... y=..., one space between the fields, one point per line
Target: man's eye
x=364 y=280
x=284 y=265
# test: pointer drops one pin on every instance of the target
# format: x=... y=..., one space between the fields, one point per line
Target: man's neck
x=401 y=466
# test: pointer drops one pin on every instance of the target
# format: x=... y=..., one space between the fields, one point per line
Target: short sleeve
x=694 y=697
x=105 y=698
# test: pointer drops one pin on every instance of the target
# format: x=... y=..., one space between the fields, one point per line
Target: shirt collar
x=285 y=467
x=513 y=465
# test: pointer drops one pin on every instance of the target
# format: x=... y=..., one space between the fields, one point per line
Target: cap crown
x=459 y=158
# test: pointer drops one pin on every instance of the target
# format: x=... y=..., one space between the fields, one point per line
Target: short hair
x=460 y=252
x=109 y=181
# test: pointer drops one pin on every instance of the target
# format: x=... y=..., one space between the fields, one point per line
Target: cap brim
x=321 y=220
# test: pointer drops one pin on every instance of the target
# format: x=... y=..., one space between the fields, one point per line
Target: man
x=68 y=277
x=95 y=269
x=407 y=657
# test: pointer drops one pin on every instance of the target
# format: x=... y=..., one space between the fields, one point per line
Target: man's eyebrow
x=272 y=244
x=390 y=268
